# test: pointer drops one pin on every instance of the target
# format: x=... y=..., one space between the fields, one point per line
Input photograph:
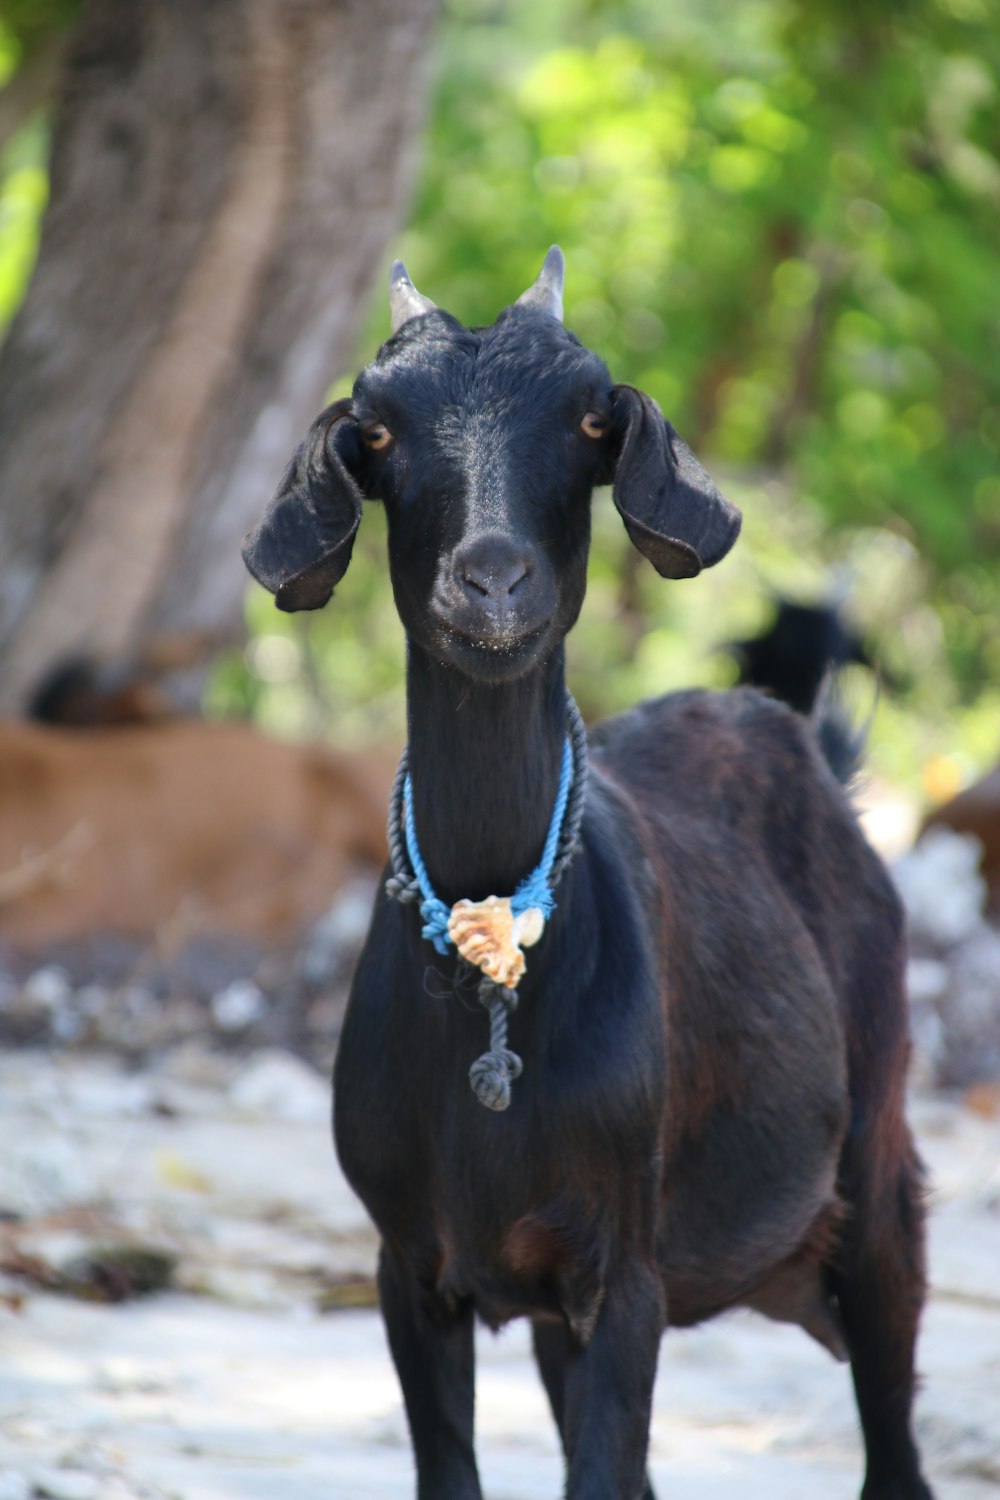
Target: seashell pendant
x=488 y=935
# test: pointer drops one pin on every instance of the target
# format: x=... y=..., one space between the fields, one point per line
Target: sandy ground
x=236 y=1386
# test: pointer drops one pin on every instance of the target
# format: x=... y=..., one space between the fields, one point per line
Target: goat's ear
x=672 y=511
x=302 y=544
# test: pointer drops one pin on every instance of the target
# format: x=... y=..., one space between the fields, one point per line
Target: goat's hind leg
x=434 y=1353
x=551 y=1341
x=878 y=1280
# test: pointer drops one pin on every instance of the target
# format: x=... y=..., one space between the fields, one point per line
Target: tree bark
x=225 y=178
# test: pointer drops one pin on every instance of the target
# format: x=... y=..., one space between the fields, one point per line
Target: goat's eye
x=376 y=436
x=594 y=425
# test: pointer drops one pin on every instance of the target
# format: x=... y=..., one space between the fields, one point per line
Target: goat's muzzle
x=496 y=596
x=490 y=572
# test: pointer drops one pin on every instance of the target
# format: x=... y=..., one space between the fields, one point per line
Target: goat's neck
x=484 y=762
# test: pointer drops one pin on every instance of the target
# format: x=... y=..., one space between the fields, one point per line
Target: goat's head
x=485 y=444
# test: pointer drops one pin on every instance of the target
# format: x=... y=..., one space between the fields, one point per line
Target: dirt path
x=235 y=1386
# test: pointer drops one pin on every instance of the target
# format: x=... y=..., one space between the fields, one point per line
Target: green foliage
x=337 y=672
x=27 y=24
x=779 y=219
x=24 y=188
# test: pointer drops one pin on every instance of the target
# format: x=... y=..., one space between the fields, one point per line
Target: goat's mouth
x=493 y=654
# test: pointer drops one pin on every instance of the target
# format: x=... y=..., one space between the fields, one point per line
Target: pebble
x=109 y=1093
x=238 y=1005
x=131 y=1018
x=942 y=889
x=91 y=999
x=276 y=1083
x=977 y=980
x=970 y=1011
x=49 y=987
x=68 y=1025
x=191 y=1062
x=46 y=1175
x=339 y=932
x=926 y=980
x=927 y=1036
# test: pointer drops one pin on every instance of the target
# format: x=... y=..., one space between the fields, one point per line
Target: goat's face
x=485 y=445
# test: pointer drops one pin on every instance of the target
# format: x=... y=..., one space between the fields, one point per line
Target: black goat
x=793 y=656
x=713 y=1026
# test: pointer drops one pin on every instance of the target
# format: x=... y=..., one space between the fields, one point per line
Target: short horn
x=405 y=302
x=547 y=292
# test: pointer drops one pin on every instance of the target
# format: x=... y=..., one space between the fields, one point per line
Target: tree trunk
x=225 y=178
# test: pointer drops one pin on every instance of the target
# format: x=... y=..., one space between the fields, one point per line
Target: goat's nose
x=490 y=570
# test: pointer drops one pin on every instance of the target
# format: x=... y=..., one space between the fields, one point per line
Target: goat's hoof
x=898 y=1489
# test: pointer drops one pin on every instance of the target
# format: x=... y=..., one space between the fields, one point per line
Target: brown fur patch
x=534 y=1248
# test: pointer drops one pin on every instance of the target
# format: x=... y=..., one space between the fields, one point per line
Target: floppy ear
x=302 y=544
x=672 y=511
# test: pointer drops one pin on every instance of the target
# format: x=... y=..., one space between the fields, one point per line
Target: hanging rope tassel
x=492 y=1074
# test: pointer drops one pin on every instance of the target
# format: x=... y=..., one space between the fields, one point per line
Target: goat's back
x=738 y=784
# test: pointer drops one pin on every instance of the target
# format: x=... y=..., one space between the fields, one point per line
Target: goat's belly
x=753 y=1239
x=547 y=1262
x=497 y=1294
x=793 y=1291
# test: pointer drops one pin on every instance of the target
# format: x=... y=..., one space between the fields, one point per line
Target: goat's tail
x=841 y=738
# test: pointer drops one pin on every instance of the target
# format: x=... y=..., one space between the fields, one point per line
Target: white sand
x=240 y=1390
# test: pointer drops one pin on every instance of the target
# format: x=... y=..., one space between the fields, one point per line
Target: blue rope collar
x=523 y=917
x=535 y=890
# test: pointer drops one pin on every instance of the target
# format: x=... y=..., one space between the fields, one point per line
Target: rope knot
x=492 y=1074
x=398 y=888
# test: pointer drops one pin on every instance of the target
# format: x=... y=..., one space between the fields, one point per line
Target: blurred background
x=781 y=223
x=779 y=218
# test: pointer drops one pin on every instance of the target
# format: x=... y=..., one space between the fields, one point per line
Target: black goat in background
x=792 y=658
x=713 y=1027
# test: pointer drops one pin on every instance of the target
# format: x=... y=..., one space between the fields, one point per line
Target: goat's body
x=712 y=1026
x=693 y=1028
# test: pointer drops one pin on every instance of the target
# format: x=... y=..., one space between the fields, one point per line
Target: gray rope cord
x=492 y=1074
x=402 y=885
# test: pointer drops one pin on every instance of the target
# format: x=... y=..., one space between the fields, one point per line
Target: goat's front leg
x=608 y=1390
x=552 y=1343
x=433 y=1350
